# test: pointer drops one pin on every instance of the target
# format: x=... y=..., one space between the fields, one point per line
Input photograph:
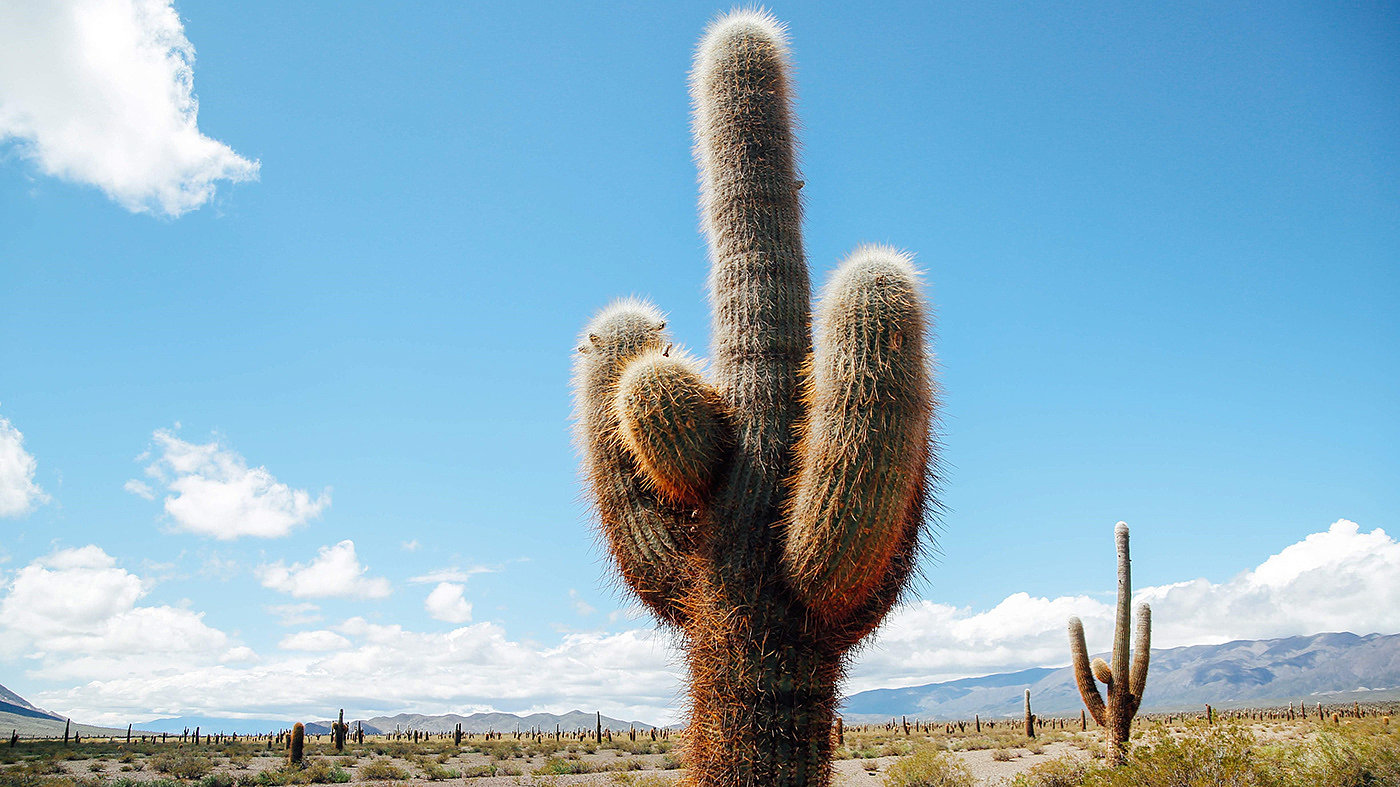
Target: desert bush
x=381 y=770
x=648 y=780
x=1219 y=755
x=557 y=766
x=1003 y=755
x=182 y=764
x=434 y=772
x=929 y=768
x=1351 y=756
x=1063 y=772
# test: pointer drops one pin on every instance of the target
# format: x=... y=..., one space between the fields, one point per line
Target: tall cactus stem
x=1125 y=679
x=774 y=513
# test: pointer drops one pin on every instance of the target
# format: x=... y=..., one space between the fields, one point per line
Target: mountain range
x=1329 y=668
x=1337 y=667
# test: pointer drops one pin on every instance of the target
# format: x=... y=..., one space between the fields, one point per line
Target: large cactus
x=772 y=510
x=1124 y=696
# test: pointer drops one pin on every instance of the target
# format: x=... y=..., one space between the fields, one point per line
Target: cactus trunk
x=296 y=746
x=771 y=513
x=1124 y=680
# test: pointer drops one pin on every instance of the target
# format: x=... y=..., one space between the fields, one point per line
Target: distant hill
x=1338 y=667
x=12 y=703
x=483 y=722
x=403 y=722
x=18 y=715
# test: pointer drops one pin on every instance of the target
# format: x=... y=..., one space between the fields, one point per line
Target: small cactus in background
x=773 y=512
x=338 y=732
x=1030 y=717
x=297 y=746
x=1124 y=685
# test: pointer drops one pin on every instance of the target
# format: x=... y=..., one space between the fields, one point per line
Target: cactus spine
x=1124 y=696
x=772 y=512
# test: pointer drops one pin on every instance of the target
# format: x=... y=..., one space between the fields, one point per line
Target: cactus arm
x=650 y=540
x=864 y=451
x=1122 y=627
x=759 y=288
x=864 y=619
x=673 y=424
x=1083 y=672
x=1142 y=655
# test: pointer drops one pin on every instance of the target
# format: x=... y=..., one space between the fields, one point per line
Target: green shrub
x=382 y=770
x=929 y=768
x=182 y=764
x=557 y=766
x=1063 y=772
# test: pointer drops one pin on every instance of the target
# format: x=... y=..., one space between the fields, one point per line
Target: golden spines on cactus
x=648 y=538
x=673 y=424
x=864 y=449
x=775 y=513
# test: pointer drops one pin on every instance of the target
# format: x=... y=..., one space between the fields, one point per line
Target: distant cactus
x=1030 y=717
x=772 y=513
x=338 y=731
x=297 y=745
x=1124 y=696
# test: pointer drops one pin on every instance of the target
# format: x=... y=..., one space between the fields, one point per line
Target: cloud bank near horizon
x=1342 y=578
x=101 y=92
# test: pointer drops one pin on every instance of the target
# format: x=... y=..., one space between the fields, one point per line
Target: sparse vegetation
x=929 y=768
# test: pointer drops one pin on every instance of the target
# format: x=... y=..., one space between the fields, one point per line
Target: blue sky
x=1162 y=246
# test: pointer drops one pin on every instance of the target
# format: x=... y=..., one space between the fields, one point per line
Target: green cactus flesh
x=773 y=510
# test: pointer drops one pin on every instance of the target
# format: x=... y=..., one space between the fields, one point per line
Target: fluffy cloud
x=446 y=603
x=102 y=92
x=388 y=669
x=18 y=492
x=215 y=493
x=1338 y=580
x=297 y=614
x=316 y=641
x=76 y=612
x=336 y=572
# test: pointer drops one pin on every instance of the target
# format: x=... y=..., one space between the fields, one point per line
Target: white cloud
x=296 y=614
x=102 y=92
x=453 y=574
x=629 y=674
x=77 y=611
x=215 y=493
x=446 y=603
x=314 y=641
x=18 y=492
x=140 y=489
x=335 y=572
x=1338 y=580
x=410 y=545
